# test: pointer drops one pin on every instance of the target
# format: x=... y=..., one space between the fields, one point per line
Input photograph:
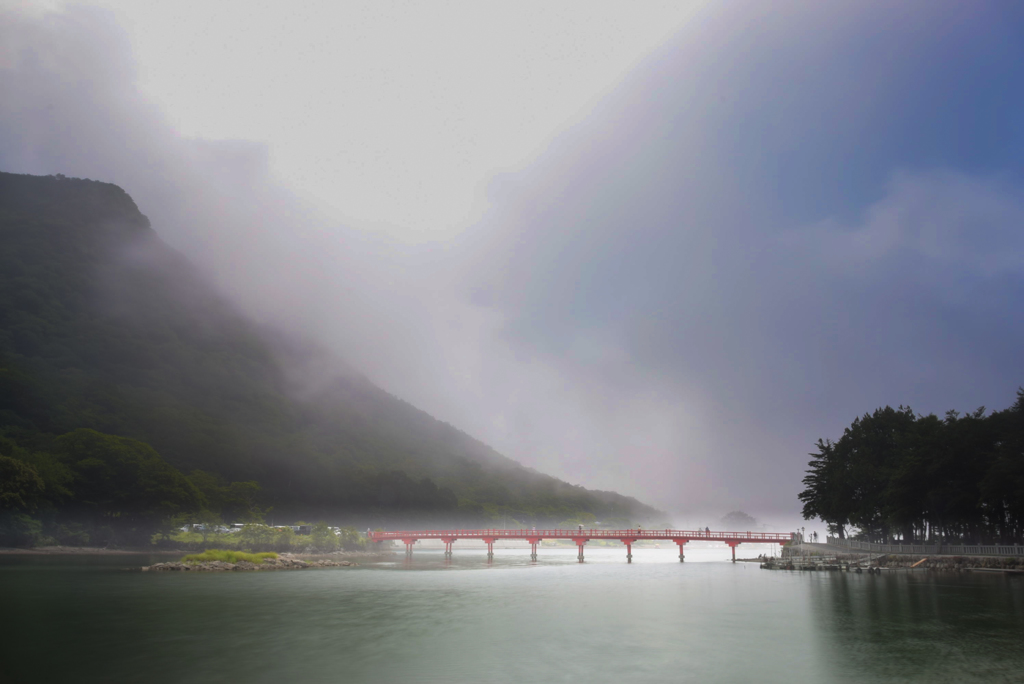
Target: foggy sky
x=784 y=217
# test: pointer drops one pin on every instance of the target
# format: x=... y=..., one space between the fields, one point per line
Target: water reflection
x=921 y=626
x=463 y=619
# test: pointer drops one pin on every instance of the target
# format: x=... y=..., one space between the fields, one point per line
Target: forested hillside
x=114 y=353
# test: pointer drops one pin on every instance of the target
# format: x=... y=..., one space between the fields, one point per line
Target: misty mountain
x=103 y=326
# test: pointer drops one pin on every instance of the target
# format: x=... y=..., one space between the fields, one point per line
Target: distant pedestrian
x=707 y=530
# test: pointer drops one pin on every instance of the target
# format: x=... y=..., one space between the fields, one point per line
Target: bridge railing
x=936 y=549
x=591 y=533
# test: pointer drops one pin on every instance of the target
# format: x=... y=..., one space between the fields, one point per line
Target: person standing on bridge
x=707 y=530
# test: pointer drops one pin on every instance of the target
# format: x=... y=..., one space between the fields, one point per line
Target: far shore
x=82 y=551
x=98 y=551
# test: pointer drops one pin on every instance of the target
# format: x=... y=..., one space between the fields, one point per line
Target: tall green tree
x=20 y=485
x=20 y=489
x=1002 y=488
x=895 y=475
x=827 y=490
x=124 y=485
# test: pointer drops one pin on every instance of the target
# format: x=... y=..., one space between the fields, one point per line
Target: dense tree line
x=94 y=488
x=104 y=327
x=895 y=475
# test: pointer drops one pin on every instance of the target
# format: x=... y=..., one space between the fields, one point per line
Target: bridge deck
x=669 y=535
x=581 y=536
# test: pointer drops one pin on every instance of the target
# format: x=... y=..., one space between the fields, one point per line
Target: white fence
x=931 y=549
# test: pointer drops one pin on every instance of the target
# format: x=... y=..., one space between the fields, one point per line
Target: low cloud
x=675 y=301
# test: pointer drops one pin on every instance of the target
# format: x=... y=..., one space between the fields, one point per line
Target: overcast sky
x=654 y=247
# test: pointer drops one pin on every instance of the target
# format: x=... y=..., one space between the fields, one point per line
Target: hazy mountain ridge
x=104 y=326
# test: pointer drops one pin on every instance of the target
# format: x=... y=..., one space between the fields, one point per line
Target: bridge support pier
x=448 y=541
x=580 y=541
x=534 y=542
x=490 y=546
x=408 y=546
x=629 y=541
x=733 y=546
x=681 y=543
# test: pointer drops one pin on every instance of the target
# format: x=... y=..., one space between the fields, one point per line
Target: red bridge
x=581 y=537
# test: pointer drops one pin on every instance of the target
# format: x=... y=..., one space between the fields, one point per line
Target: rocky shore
x=954 y=563
x=283 y=562
x=877 y=563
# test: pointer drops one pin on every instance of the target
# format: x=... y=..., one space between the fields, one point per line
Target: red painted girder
x=670 y=535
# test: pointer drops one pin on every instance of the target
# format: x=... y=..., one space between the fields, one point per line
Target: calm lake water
x=83 y=619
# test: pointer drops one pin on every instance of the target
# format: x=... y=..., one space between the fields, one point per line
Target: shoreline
x=83 y=551
x=810 y=549
x=906 y=562
x=100 y=551
x=284 y=561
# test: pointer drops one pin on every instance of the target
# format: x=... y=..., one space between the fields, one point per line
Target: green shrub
x=227 y=556
x=255 y=536
x=19 y=529
x=323 y=538
x=350 y=539
x=283 y=538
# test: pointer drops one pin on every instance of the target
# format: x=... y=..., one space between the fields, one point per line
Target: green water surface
x=85 y=619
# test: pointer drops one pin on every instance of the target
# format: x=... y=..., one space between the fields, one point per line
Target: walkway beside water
x=836 y=545
x=830 y=556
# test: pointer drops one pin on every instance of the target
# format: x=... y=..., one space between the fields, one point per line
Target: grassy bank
x=227 y=556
